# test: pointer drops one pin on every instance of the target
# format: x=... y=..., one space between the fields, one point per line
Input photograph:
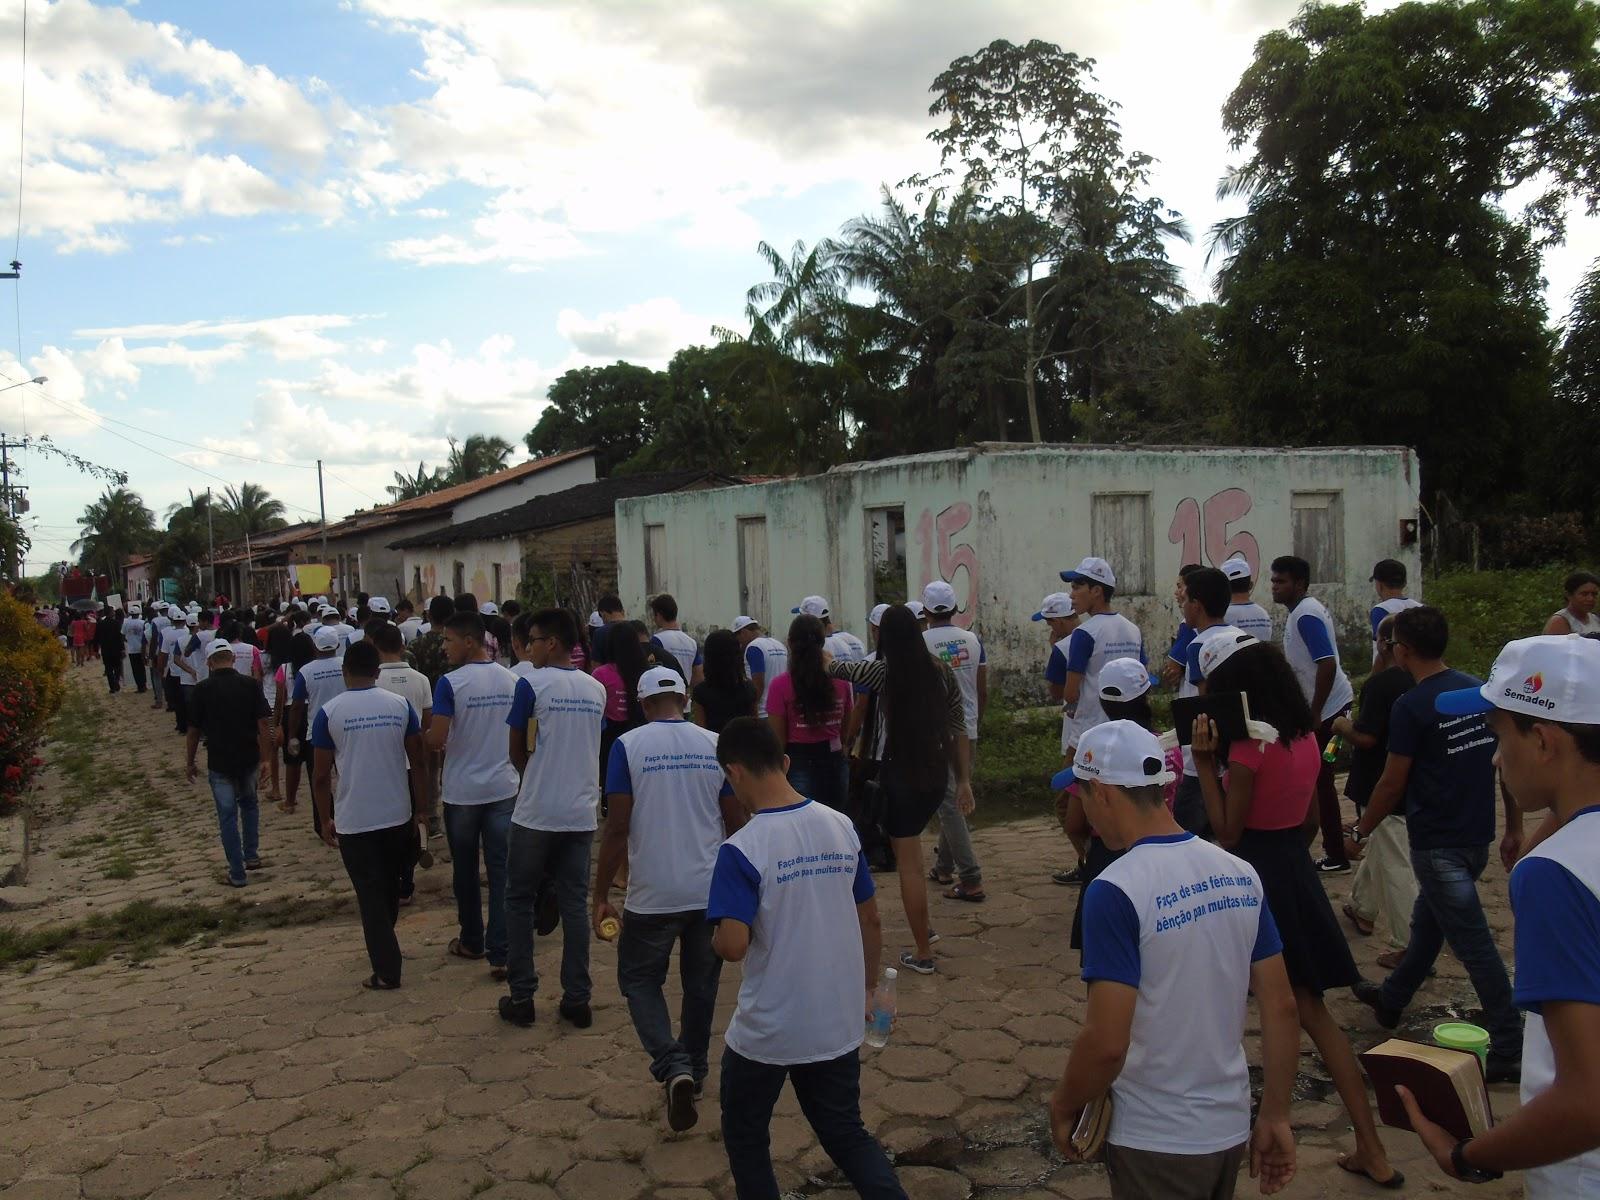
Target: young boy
x=1543 y=701
x=809 y=974
x=1170 y=968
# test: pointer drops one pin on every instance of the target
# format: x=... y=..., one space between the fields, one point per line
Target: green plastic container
x=1458 y=1035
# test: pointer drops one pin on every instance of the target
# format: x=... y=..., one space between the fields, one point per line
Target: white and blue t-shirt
x=133 y=636
x=1387 y=608
x=172 y=640
x=962 y=651
x=366 y=728
x=1308 y=639
x=1555 y=896
x=670 y=769
x=1192 y=678
x=846 y=647
x=559 y=791
x=1249 y=617
x=682 y=647
x=1096 y=641
x=1180 y=920
x=768 y=658
x=1180 y=644
x=319 y=681
x=196 y=648
x=795 y=876
x=477 y=697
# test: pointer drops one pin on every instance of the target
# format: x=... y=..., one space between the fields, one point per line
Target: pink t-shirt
x=781 y=702
x=616 y=692
x=1285 y=780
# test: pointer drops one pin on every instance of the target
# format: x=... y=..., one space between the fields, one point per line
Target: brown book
x=1094 y=1122
x=1448 y=1085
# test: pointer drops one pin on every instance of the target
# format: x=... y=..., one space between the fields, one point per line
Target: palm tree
x=115 y=526
x=480 y=455
x=248 y=510
x=796 y=309
x=409 y=487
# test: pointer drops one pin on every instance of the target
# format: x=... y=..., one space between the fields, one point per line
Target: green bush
x=1487 y=609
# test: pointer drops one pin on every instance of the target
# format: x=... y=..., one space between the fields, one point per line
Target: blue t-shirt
x=1450 y=793
x=1055 y=667
x=1180 y=644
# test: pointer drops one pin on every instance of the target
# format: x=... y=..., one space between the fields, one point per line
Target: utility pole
x=211 y=549
x=9 y=497
x=322 y=509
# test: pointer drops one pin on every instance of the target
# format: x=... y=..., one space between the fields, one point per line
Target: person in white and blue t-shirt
x=319 y=681
x=1389 y=581
x=670 y=636
x=793 y=901
x=374 y=738
x=479 y=784
x=558 y=710
x=1543 y=703
x=1311 y=644
x=668 y=808
x=765 y=657
x=1245 y=614
x=1176 y=936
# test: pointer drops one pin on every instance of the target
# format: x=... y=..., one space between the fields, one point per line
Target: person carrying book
x=1543 y=706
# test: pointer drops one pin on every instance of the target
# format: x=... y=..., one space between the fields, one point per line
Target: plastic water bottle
x=1331 y=753
x=882 y=1010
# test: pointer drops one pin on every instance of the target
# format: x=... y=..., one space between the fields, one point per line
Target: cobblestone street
x=255 y=1065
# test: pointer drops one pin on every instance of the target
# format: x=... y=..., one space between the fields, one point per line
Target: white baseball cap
x=326 y=637
x=742 y=622
x=1124 y=679
x=1119 y=752
x=1054 y=606
x=596 y=621
x=218 y=647
x=916 y=609
x=1555 y=677
x=658 y=681
x=940 y=597
x=875 y=617
x=379 y=604
x=352 y=612
x=1091 y=570
x=192 y=619
x=1221 y=646
x=489 y=609
x=1236 y=568
x=813 y=606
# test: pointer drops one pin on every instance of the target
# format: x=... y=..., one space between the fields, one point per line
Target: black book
x=1229 y=710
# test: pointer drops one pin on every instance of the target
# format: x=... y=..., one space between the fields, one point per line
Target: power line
x=354 y=488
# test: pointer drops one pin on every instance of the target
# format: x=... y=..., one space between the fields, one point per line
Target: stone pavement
x=259 y=1068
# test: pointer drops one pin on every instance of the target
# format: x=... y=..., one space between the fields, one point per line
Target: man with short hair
x=159 y=624
x=1169 y=984
x=479 y=789
x=1205 y=608
x=1389 y=581
x=1172 y=671
x=807 y=939
x=669 y=808
x=610 y=610
x=1442 y=766
x=670 y=636
x=406 y=620
x=374 y=736
x=231 y=713
x=172 y=667
x=765 y=658
x=1244 y=614
x=319 y=681
x=557 y=713
x=112 y=646
x=1311 y=644
x=845 y=647
x=133 y=635
x=397 y=676
x=955 y=862
x=1549 y=753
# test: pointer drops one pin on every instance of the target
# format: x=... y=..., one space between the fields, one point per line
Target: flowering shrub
x=20 y=731
x=32 y=682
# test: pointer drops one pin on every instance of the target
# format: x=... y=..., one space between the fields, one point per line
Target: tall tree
x=1571 y=447
x=480 y=455
x=111 y=528
x=1376 y=289
x=612 y=408
x=424 y=482
x=248 y=510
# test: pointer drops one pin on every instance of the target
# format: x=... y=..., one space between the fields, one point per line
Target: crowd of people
x=744 y=789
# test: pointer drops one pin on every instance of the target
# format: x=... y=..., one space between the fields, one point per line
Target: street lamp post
x=7 y=492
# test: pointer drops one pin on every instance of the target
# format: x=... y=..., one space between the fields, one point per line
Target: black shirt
x=225 y=707
x=1378 y=695
x=723 y=706
x=600 y=646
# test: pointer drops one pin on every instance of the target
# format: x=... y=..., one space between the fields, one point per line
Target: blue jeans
x=643 y=951
x=538 y=858
x=466 y=827
x=1448 y=910
x=236 y=800
x=830 y=1096
x=820 y=774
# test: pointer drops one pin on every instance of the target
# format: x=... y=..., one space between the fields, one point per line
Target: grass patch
x=1487 y=609
x=1018 y=751
x=118 y=866
x=145 y=927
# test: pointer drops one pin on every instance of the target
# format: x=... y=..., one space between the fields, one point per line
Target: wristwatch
x=1467 y=1172
x=1355 y=835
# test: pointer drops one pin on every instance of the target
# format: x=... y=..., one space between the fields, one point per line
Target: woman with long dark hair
x=724 y=693
x=924 y=728
x=1263 y=810
x=807 y=710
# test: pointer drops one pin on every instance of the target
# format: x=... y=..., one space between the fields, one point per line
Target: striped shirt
x=869 y=676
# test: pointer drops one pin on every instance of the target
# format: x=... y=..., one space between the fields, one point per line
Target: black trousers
x=177 y=702
x=111 y=663
x=136 y=665
x=373 y=862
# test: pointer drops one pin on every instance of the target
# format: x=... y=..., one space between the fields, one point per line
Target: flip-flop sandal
x=935 y=877
x=373 y=984
x=1360 y=923
x=962 y=892
x=1394 y=1183
x=456 y=949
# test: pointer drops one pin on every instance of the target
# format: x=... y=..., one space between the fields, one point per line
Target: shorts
x=907 y=810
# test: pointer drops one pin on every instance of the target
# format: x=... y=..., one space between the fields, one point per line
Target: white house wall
x=478 y=561
x=1000 y=524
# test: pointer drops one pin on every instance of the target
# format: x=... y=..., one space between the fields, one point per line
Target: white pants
x=1385 y=889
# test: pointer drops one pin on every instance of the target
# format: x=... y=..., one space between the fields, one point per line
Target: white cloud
x=284 y=338
x=649 y=332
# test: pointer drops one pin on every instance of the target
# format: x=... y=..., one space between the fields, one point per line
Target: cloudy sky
x=278 y=230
